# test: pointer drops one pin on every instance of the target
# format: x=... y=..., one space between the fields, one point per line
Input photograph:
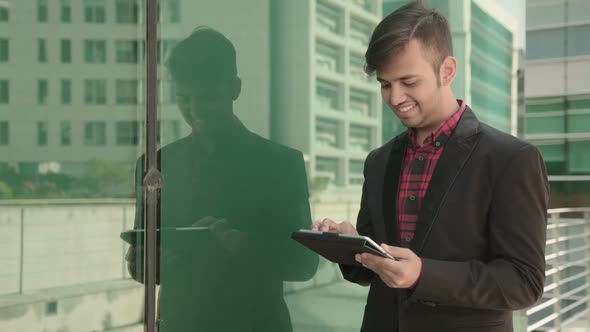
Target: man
x=247 y=194
x=461 y=204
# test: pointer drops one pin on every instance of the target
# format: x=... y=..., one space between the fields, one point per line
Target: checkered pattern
x=419 y=164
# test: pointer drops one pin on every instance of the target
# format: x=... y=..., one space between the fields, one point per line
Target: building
x=557 y=117
x=323 y=103
x=486 y=47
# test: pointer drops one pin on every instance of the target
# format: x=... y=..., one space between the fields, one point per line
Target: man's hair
x=411 y=21
x=205 y=55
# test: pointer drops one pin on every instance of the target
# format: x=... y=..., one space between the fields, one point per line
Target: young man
x=461 y=204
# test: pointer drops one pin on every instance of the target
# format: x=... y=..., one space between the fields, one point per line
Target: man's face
x=411 y=88
x=205 y=104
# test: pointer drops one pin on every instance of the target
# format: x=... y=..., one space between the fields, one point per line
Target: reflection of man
x=249 y=193
x=461 y=204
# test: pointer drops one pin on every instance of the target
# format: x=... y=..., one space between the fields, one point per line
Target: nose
x=397 y=96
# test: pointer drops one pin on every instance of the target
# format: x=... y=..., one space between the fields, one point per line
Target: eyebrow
x=403 y=78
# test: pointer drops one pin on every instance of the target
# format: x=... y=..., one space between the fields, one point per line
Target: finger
x=398 y=252
x=205 y=221
x=316 y=225
x=328 y=225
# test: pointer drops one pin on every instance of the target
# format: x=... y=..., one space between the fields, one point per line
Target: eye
x=384 y=85
x=409 y=84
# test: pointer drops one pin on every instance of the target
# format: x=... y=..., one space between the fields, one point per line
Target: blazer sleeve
x=353 y=273
x=513 y=278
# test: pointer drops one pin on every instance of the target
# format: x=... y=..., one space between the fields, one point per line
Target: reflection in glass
x=239 y=195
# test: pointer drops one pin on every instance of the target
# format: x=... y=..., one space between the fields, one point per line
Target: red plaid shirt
x=419 y=164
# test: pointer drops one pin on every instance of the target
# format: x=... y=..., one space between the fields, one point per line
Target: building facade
x=557 y=117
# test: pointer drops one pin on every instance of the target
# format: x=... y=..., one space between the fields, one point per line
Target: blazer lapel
x=456 y=152
x=387 y=179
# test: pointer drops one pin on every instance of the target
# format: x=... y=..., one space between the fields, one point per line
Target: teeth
x=406 y=108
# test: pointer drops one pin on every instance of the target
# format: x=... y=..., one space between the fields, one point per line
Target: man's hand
x=329 y=225
x=396 y=274
x=230 y=238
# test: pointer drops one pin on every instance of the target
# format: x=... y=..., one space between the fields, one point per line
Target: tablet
x=339 y=248
x=135 y=236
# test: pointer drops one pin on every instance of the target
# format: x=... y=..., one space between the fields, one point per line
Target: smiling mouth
x=406 y=108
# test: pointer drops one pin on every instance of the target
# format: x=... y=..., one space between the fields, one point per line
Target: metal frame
x=152 y=181
x=567 y=288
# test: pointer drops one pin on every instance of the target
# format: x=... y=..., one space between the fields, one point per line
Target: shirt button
x=408 y=239
x=412 y=198
x=437 y=144
x=421 y=158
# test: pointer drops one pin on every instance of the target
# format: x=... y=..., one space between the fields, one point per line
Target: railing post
x=555 y=217
x=587 y=232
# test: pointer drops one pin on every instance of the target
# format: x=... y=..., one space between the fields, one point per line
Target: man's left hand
x=402 y=273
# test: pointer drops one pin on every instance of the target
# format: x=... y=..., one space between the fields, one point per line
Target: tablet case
x=338 y=248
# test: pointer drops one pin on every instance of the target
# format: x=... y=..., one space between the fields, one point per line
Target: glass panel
x=66 y=51
x=545 y=44
x=4 y=50
x=545 y=125
x=66 y=186
x=328 y=96
x=327 y=133
x=360 y=138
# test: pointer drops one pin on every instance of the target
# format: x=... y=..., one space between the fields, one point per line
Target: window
x=326 y=133
x=4 y=50
x=327 y=18
x=42 y=132
x=327 y=168
x=95 y=133
x=4 y=133
x=327 y=95
x=360 y=103
x=66 y=11
x=127 y=91
x=4 y=92
x=127 y=51
x=42 y=91
x=42 y=50
x=127 y=133
x=360 y=32
x=95 y=92
x=360 y=138
x=66 y=51
x=4 y=16
x=355 y=170
x=127 y=11
x=328 y=57
x=170 y=11
x=65 y=133
x=357 y=65
x=42 y=11
x=94 y=11
x=66 y=92
x=95 y=51
x=51 y=308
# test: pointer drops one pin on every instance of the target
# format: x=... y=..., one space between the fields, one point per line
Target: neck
x=448 y=107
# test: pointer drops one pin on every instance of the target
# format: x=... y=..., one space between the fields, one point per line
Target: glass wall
x=263 y=120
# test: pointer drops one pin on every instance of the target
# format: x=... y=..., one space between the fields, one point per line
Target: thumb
x=397 y=252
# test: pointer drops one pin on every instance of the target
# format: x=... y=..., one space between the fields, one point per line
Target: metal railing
x=566 y=298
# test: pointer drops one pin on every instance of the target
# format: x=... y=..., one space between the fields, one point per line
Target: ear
x=236 y=88
x=448 y=71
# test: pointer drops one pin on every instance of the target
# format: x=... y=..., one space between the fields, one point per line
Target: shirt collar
x=441 y=135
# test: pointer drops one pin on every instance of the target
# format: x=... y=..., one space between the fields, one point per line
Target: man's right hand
x=329 y=225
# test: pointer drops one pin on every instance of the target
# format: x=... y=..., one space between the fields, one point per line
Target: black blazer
x=480 y=233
